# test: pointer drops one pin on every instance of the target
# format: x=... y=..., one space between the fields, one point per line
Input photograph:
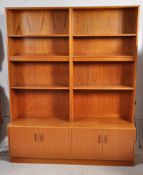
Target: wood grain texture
x=72 y=83
x=103 y=87
x=73 y=162
x=93 y=74
x=86 y=143
x=49 y=22
x=97 y=144
x=29 y=103
x=105 y=58
x=55 y=122
x=43 y=36
x=38 y=58
x=102 y=104
x=92 y=46
x=118 y=21
x=39 y=74
x=71 y=64
x=55 y=143
x=23 y=142
x=33 y=46
x=118 y=144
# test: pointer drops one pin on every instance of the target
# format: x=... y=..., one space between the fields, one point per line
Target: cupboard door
x=118 y=144
x=23 y=142
x=86 y=143
x=54 y=143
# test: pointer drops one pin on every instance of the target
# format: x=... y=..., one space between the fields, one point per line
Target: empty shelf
x=97 y=122
x=38 y=57
x=104 y=57
x=103 y=87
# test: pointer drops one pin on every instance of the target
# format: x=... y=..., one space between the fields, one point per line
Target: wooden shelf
x=80 y=87
x=103 y=87
x=38 y=87
x=42 y=121
x=106 y=35
x=98 y=58
x=97 y=122
x=102 y=122
x=104 y=57
x=38 y=36
x=38 y=57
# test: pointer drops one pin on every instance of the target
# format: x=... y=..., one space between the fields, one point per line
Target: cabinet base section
x=71 y=161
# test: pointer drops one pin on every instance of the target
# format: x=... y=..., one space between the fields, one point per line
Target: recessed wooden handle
x=105 y=139
x=35 y=137
x=41 y=137
x=99 y=139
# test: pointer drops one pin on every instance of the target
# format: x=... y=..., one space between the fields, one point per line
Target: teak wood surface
x=72 y=77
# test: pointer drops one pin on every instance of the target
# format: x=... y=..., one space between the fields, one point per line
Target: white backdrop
x=42 y=3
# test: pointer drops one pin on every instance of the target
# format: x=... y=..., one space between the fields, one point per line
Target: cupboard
x=72 y=76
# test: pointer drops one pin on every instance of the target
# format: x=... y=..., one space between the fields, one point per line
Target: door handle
x=35 y=137
x=99 y=139
x=105 y=139
x=41 y=137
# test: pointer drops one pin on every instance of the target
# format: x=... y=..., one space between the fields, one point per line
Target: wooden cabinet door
x=23 y=142
x=86 y=143
x=54 y=143
x=118 y=144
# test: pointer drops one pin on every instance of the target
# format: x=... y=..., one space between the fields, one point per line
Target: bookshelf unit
x=72 y=76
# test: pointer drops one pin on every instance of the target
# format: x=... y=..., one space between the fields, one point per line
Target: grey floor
x=7 y=168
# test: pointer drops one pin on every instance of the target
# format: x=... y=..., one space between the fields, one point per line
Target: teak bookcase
x=72 y=75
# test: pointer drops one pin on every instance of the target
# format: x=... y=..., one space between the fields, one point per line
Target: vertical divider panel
x=71 y=64
x=135 y=68
x=8 y=14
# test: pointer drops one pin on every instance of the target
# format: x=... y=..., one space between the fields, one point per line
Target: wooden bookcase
x=72 y=76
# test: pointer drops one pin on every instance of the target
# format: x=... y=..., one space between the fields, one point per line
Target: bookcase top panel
x=76 y=7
